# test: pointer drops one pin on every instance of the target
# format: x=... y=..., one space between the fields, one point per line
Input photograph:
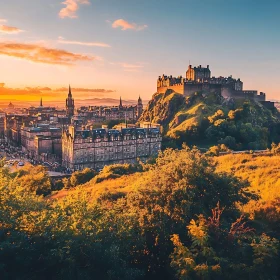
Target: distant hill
x=207 y=119
x=78 y=102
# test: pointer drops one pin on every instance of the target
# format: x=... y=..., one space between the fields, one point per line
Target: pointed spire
x=120 y=102
x=69 y=93
x=41 y=102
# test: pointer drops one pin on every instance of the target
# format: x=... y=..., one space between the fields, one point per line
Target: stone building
x=139 y=107
x=121 y=112
x=199 y=79
x=2 y=124
x=43 y=111
x=12 y=126
x=198 y=73
x=41 y=139
x=95 y=148
x=99 y=114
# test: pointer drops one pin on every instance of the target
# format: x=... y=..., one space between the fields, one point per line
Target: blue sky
x=239 y=38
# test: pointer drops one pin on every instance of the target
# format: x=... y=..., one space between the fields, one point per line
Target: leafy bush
x=117 y=170
x=127 y=235
x=82 y=177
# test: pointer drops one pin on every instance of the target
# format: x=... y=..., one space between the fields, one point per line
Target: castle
x=199 y=79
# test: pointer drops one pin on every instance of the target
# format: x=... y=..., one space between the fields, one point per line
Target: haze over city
x=112 y=48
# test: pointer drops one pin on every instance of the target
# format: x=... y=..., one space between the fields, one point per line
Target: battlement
x=199 y=79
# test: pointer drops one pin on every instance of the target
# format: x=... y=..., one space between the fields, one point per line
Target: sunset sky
x=112 y=48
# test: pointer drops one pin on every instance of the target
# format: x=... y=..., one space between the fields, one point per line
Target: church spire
x=41 y=102
x=70 y=105
x=70 y=93
x=120 y=102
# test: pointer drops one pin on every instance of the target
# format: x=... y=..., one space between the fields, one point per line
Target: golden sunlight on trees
x=179 y=217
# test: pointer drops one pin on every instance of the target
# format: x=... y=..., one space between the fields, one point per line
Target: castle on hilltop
x=199 y=79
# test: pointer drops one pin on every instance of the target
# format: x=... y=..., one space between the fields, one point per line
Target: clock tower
x=70 y=106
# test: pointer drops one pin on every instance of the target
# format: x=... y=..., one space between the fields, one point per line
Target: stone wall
x=177 y=88
x=191 y=88
x=268 y=104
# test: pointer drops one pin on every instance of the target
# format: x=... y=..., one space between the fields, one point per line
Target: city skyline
x=107 y=49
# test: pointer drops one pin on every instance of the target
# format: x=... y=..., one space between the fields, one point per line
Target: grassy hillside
x=207 y=119
x=174 y=219
x=261 y=172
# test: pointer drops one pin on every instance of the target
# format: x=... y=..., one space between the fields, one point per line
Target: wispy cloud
x=128 y=67
x=9 y=29
x=61 y=40
x=3 y=20
x=89 y=90
x=41 y=54
x=71 y=8
x=125 y=25
x=51 y=93
x=131 y=66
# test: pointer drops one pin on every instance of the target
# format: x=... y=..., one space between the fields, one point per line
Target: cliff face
x=162 y=107
x=207 y=118
x=174 y=111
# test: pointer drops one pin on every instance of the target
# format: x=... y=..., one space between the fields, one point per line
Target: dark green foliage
x=157 y=231
x=206 y=119
x=81 y=177
x=117 y=170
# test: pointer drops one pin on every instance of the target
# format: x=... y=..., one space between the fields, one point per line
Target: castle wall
x=268 y=104
x=177 y=88
x=190 y=88
x=261 y=98
x=228 y=92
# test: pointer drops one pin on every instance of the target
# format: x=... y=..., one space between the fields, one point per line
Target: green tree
x=222 y=250
x=82 y=177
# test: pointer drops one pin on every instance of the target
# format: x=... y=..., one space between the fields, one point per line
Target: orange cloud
x=91 y=90
x=71 y=8
x=9 y=29
x=125 y=25
x=88 y=44
x=33 y=93
x=40 y=54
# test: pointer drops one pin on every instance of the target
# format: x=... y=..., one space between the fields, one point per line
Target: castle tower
x=139 y=107
x=198 y=74
x=70 y=106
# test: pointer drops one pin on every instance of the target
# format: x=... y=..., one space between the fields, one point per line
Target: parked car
x=21 y=163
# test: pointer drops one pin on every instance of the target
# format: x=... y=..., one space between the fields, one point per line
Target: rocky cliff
x=207 y=119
